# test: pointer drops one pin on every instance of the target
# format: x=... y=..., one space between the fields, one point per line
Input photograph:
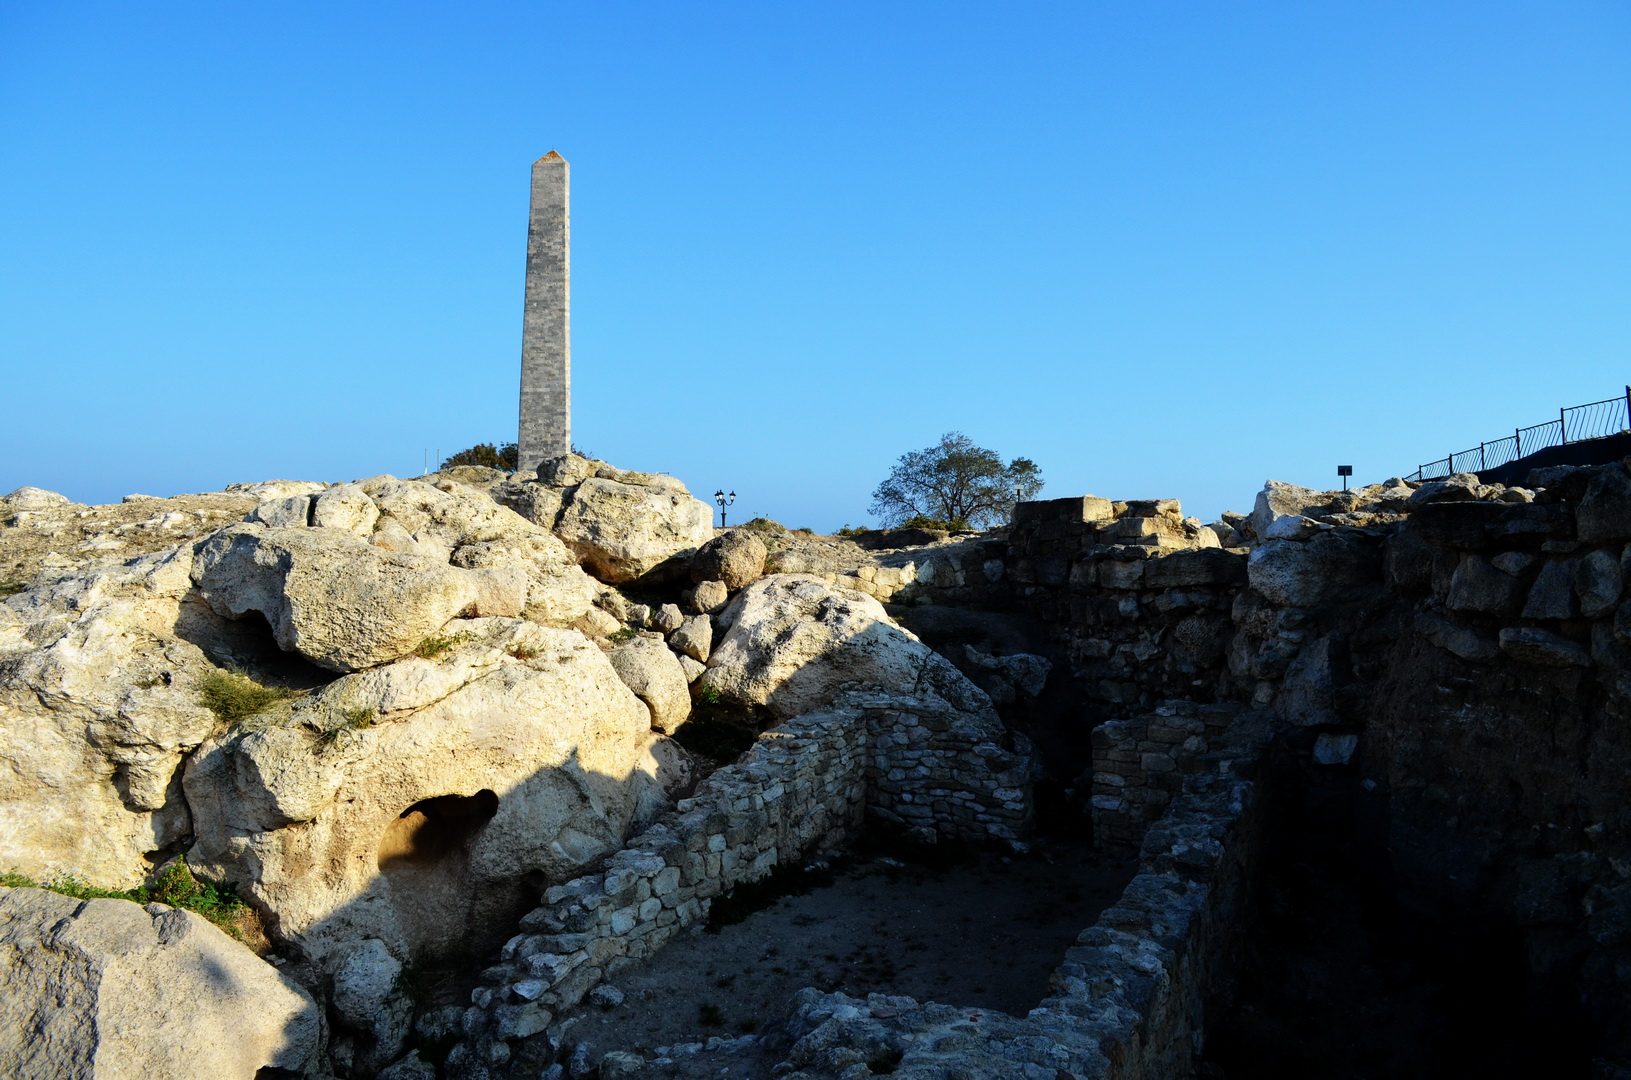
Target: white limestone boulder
x=410 y=802
x=98 y=706
x=621 y=531
x=341 y=602
x=654 y=673
x=795 y=643
x=107 y=988
x=1279 y=499
x=735 y=557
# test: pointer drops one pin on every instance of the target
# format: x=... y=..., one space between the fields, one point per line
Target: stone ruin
x=480 y=752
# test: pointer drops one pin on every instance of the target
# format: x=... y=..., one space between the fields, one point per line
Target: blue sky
x=1166 y=250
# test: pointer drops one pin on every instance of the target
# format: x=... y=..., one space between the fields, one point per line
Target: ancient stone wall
x=1139 y=595
x=803 y=787
x=1139 y=764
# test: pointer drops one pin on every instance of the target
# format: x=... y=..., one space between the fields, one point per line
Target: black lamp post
x=723 y=500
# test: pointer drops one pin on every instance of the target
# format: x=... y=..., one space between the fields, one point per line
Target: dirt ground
x=986 y=931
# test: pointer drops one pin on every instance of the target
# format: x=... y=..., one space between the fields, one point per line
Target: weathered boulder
x=694 y=638
x=340 y=602
x=33 y=498
x=794 y=641
x=667 y=619
x=1279 y=499
x=622 y=529
x=407 y=803
x=347 y=507
x=1460 y=640
x=1542 y=648
x=106 y=988
x=710 y=596
x=1308 y=573
x=369 y=999
x=1598 y=582
x=98 y=705
x=1478 y=586
x=1552 y=594
x=647 y=667
x=1604 y=512
x=736 y=557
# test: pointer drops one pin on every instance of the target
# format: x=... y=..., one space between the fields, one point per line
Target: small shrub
x=711 y=1015
x=765 y=525
x=923 y=521
x=439 y=644
x=176 y=886
x=233 y=696
x=848 y=531
x=618 y=637
x=493 y=457
x=706 y=693
x=355 y=719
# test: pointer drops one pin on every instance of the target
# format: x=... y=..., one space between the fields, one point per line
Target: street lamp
x=723 y=500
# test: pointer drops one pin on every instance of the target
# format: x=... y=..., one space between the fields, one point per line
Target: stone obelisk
x=546 y=329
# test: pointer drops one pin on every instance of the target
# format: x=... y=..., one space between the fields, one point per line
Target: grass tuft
x=440 y=644
x=350 y=720
x=233 y=696
x=176 y=886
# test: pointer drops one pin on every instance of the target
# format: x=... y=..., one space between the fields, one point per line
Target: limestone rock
x=736 y=557
x=654 y=674
x=369 y=998
x=693 y=670
x=105 y=988
x=408 y=802
x=411 y=1067
x=33 y=498
x=1313 y=572
x=621 y=531
x=292 y=512
x=97 y=708
x=1542 y=648
x=341 y=603
x=1278 y=499
x=1604 y=512
x=1552 y=594
x=1479 y=586
x=794 y=641
x=1598 y=582
x=667 y=619
x=1460 y=640
x=694 y=638
x=709 y=596
x=346 y=507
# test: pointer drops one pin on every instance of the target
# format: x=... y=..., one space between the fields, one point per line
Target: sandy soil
x=987 y=932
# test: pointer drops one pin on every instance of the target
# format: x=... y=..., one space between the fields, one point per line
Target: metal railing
x=1577 y=424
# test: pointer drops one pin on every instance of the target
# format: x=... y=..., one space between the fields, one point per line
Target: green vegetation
x=350 y=720
x=955 y=482
x=176 y=886
x=233 y=696
x=618 y=637
x=718 y=730
x=923 y=521
x=850 y=530
x=438 y=644
x=485 y=454
x=710 y=1015
x=765 y=525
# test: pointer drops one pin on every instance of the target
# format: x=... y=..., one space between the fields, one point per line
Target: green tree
x=494 y=457
x=955 y=482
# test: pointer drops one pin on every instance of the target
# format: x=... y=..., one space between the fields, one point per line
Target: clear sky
x=1164 y=249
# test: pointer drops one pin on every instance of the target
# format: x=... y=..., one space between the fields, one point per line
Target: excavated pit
x=972 y=928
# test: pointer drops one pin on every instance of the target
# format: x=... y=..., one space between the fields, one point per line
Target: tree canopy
x=957 y=483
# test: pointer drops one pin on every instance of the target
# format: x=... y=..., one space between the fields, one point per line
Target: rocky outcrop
x=105 y=988
x=621 y=525
x=407 y=803
x=647 y=667
x=794 y=642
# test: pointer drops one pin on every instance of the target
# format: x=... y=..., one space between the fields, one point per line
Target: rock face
x=736 y=557
x=105 y=988
x=795 y=641
x=97 y=710
x=621 y=525
x=407 y=803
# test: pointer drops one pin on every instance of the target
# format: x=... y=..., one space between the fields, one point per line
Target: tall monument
x=546 y=329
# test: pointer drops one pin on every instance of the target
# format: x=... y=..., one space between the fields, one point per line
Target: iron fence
x=1576 y=424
